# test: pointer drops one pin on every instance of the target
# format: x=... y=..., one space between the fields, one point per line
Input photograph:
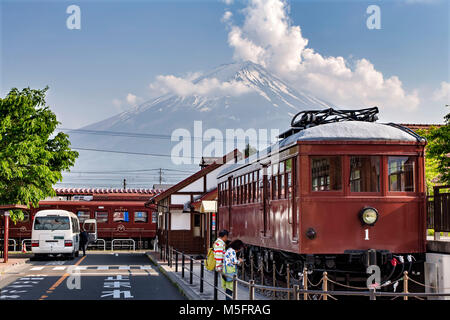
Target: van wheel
x=71 y=256
x=77 y=253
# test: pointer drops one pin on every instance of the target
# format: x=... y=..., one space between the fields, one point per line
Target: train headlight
x=369 y=216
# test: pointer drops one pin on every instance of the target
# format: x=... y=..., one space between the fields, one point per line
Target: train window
x=234 y=192
x=289 y=184
x=275 y=187
x=365 y=174
x=282 y=186
x=83 y=215
x=249 y=187
x=288 y=165
x=326 y=173
x=401 y=174
x=101 y=216
x=140 y=217
x=121 y=216
x=154 y=217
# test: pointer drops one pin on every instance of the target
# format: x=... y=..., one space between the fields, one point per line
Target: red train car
x=337 y=193
x=120 y=213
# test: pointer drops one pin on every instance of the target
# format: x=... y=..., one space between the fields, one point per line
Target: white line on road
x=37 y=268
x=59 y=268
x=80 y=267
x=103 y=268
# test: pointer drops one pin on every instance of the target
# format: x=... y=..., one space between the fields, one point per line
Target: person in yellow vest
x=219 y=249
x=229 y=266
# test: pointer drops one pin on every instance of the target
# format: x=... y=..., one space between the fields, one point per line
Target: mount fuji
x=266 y=103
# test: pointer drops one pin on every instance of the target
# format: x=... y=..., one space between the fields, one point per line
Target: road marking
x=60 y=280
x=103 y=268
x=59 y=268
x=124 y=268
x=36 y=268
x=146 y=267
x=81 y=268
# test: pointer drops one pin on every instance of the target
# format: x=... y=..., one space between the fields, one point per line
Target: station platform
x=442 y=245
x=192 y=292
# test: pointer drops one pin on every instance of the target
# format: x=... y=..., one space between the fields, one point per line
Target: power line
x=131 y=171
x=144 y=135
x=134 y=153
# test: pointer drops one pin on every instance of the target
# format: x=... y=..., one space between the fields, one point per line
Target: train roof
x=336 y=131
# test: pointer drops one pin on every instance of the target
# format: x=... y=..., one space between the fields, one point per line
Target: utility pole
x=160 y=175
x=124 y=183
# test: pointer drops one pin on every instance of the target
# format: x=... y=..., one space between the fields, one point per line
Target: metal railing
x=10 y=240
x=129 y=240
x=298 y=292
x=172 y=258
x=23 y=243
x=96 y=245
x=441 y=204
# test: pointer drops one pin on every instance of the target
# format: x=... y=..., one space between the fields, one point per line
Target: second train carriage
x=337 y=193
x=120 y=213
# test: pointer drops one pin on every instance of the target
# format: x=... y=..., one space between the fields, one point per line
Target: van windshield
x=51 y=223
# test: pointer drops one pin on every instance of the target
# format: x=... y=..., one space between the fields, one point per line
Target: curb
x=183 y=288
x=5 y=269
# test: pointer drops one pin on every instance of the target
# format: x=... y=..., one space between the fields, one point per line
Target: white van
x=55 y=232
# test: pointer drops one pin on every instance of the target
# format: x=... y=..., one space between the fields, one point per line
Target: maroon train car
x=335 y=197
x=120 y=213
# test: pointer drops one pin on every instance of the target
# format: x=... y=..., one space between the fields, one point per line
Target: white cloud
x=443 y=93
x=117 y=104
x=269 y=38
x=205 y=87
x=131 y=99
x=227 y=16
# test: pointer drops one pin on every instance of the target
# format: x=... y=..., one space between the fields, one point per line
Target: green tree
x=438 y=154
x=249 y=150
x=31 y=156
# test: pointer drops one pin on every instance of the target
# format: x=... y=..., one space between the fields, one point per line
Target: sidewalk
x=12 y=262
x=192 y=292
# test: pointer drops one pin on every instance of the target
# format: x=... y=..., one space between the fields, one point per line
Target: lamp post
x=6 y=237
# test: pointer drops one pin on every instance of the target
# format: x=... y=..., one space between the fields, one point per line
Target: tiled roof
x=92 y=191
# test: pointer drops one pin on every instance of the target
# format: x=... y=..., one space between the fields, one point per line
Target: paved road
x=94 y=277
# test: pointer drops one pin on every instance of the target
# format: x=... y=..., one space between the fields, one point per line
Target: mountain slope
x=269 y=103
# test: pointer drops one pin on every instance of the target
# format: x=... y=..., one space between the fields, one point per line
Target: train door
x=265 y=203
x=291 y=166
x=90 y=226
x=231 y=199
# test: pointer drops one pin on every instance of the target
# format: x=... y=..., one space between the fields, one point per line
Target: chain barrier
x=347 y=286
x=316 y=285
x=280 y=273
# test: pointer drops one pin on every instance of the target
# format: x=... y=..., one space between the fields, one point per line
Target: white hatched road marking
x=37 y=268
x=59 y=268
x=80 y=267
x=146 y=267
x=127 y=268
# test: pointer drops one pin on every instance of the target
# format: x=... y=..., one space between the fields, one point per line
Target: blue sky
x=123 y=45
